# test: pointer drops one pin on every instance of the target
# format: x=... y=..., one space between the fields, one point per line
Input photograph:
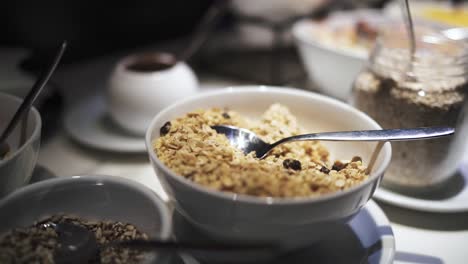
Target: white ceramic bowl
x=17 y=167
x=135 y=96
x=332 y=69
x=90 y=197
x=275 y=10
x=292 y=222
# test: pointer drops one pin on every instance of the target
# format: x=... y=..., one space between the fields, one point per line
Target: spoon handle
x=206 y=25
x=32 y=95
x=192 y=246
x=409 y=27
x=375 y=135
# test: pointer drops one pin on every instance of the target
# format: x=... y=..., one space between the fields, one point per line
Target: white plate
x=88 y=123
x=368 y=236
x=450 y=199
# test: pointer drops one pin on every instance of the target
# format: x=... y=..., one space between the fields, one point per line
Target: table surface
x=420 y=237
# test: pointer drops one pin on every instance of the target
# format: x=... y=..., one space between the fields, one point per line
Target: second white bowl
x=332 y=66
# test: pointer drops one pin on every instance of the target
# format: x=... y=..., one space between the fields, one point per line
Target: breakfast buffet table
x=421 y=236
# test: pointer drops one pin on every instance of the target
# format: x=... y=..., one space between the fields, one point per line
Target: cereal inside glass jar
x=428 y=89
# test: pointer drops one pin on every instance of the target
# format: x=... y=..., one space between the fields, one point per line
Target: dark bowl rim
x=164 y=212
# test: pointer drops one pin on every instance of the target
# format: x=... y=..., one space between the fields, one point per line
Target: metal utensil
x=410 y=30
x=75 y=243
x=78 y=245
x=29 y=100
x=248 y=141
x=203 y=28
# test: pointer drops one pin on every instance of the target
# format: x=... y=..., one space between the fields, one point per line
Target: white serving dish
x=290 y=222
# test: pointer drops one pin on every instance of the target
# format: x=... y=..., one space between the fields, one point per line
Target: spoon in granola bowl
x=247 y=141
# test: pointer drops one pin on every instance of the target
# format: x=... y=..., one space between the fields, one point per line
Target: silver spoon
x=202 y=29
x=77 y=244
x=410 y=30
x=248 y=141
x=29 y=100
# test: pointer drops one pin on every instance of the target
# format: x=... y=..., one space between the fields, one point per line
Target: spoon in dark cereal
x=77 y=244
x=247 y=141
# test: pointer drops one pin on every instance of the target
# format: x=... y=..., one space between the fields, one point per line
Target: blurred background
x=253 y=32
x=316 y=45
x=96 y=28
x=99 y=28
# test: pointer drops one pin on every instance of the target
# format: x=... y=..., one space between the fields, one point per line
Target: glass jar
x=428 y=90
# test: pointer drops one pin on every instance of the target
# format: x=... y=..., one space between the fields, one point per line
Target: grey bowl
x=90 y=197
x=17 y=167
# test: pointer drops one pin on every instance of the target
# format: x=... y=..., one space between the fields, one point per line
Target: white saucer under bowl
x=89 y=124
x=367 y=238
x=451 y=198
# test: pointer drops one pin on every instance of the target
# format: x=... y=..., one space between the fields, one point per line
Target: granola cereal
x=192 y=149
x=415 y=164
x=38 y=243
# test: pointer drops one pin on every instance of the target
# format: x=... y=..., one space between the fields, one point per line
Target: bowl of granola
x=112 y=208
x=293 y=196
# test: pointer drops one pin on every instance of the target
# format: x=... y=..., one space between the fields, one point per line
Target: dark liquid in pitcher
x=148 y=66
x=151 y=62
